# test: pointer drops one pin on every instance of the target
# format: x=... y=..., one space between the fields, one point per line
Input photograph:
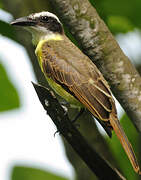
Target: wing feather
x=75 y=71
x=67 y=66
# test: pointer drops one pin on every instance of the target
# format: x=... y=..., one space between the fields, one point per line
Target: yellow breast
x=56 y=87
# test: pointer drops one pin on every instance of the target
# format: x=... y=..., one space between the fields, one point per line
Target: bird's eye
x=44 y=18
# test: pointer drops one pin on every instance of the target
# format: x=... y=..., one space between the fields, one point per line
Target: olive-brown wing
x=81 y=78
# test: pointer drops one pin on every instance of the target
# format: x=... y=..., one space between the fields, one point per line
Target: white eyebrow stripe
x=44 y=13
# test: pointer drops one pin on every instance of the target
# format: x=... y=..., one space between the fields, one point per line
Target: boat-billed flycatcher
x=72 y=75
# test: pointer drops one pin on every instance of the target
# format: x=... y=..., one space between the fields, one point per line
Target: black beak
x=24 y=21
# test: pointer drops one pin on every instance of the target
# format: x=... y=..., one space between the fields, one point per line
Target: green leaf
x=27 y=173
x=118 y=151
x=119 y=24
x=7 y=30
x=9 y=98
x=1 y=5
x=127 y=9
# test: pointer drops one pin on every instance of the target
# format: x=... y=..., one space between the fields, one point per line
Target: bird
x=72 y=75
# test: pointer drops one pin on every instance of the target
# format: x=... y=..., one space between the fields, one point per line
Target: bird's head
x=42 y=25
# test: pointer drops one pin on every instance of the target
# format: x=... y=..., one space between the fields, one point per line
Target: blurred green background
x=123 y=19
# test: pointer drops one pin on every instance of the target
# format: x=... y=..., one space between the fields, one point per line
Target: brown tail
x=125 y=143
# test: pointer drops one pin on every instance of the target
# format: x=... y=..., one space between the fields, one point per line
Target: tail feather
x=125 y=143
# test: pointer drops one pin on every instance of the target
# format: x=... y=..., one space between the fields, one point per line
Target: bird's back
x=67 y=66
